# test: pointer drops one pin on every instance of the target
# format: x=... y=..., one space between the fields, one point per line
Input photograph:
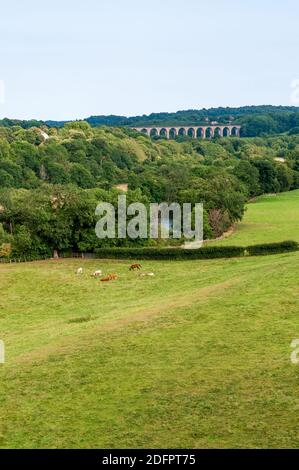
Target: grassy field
x=198 y=356
x=272 y=218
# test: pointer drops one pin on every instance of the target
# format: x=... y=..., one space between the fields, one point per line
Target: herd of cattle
x=113 y=277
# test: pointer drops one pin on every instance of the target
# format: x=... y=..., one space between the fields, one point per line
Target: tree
x=267 y=175
x=81 y=176
x=6 y=180
x=284 y=177
x=249 y=175
x=57 y=174
x=22 y=242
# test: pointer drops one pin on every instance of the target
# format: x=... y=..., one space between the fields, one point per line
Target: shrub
x=171 y=253
x=5 y=250
x=272 y=248
x=208 y=252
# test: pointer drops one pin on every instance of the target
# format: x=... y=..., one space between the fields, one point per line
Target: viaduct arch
x=195 y=132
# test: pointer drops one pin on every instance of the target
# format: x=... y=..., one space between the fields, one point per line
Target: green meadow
x=196 y=356
x=270 y=218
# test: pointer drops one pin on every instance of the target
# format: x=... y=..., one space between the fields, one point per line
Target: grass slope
x=271 y=218
x=198 y=356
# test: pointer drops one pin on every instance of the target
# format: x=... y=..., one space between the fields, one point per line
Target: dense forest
x=255 y=120
x=51 y=180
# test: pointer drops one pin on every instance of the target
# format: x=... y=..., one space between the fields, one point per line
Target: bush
x=272 y=248
x=171 y=253
x=5 y=250
x=175 y=254
x=208 y=252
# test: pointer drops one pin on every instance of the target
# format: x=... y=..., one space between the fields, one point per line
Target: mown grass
x=197 y=356
x=271 y=218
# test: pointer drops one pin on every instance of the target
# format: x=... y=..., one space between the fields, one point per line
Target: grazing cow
x=97 y=273
x=110 y=277
x=135 y=266
x=80 y=271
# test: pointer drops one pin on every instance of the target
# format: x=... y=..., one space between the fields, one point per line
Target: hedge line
x=171 y=253
x=208 y=252
x=272 y=248
x=23 y=259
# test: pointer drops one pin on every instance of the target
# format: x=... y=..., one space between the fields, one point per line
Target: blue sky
x=71 y=59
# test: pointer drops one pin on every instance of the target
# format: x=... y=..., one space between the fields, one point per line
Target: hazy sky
x=65 y=59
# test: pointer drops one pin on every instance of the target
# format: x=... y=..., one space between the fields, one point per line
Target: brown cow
x=135 y=266
x=110 y=277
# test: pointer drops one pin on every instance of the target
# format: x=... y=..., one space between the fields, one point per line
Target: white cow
x=97 y=273
x=80 y=271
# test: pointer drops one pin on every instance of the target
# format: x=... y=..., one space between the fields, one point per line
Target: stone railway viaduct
x=204 y=132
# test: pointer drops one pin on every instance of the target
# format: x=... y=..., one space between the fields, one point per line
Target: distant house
x=44 y=135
